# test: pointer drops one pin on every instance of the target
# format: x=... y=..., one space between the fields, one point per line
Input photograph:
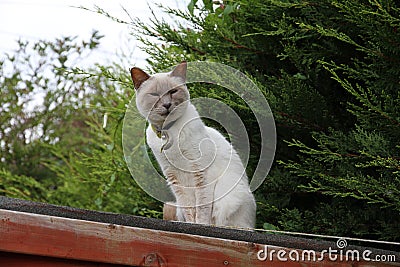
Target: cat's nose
x=167 y=105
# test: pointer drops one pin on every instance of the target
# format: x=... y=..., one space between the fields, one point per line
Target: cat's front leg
x=204 y=199
x=186 y=214
x=185 y=199
x=203 y=213
x=186 y=207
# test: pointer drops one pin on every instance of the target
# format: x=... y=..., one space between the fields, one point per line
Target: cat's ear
x=180 y=71
x=138 y=77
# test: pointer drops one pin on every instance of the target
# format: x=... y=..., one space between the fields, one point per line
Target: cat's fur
x=205 y=173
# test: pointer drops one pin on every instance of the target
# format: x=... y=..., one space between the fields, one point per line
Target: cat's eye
x=154 y=94
x=173 y=91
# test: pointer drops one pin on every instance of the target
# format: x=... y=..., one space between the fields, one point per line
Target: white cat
x=203 y=170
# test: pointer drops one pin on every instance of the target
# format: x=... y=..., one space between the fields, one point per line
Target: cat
x=202 y=168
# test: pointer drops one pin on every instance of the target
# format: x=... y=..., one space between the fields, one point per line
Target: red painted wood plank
x=8 y=259
x=66 y=238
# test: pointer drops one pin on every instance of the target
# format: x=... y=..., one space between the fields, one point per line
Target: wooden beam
x=9 y=259
x=88 y=241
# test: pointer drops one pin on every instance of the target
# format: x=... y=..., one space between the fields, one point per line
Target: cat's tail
x=169 y=212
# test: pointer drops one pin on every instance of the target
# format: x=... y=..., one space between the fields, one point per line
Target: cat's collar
x=163 y=134
x=160 y=131
x=156 y=131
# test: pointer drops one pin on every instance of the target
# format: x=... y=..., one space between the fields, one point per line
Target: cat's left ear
x=180 y=71
x=138 y=77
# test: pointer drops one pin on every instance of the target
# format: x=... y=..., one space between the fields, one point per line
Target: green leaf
x=228 y=10
x=268 y=226
x=208 y=4
x=191 y=6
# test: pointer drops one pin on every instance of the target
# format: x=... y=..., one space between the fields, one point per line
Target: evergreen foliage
x=330 y=71
x=54 y=148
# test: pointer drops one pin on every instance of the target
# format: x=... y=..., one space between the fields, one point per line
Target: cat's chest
x=187 y=150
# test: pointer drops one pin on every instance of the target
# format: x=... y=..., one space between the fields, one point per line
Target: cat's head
x=162 y=95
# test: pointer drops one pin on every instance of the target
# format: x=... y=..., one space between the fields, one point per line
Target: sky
x=50 y=19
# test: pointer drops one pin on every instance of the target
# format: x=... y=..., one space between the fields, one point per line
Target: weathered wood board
x=29 y=239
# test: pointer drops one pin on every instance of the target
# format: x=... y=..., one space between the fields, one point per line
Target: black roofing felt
x=179 y=227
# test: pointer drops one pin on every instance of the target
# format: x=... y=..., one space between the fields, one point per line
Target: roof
x=59 y=232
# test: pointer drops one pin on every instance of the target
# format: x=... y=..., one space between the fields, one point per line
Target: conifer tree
x=330 y=71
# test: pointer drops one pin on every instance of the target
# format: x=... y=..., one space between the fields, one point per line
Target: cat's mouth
x=171 y=111
x=165 y=113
